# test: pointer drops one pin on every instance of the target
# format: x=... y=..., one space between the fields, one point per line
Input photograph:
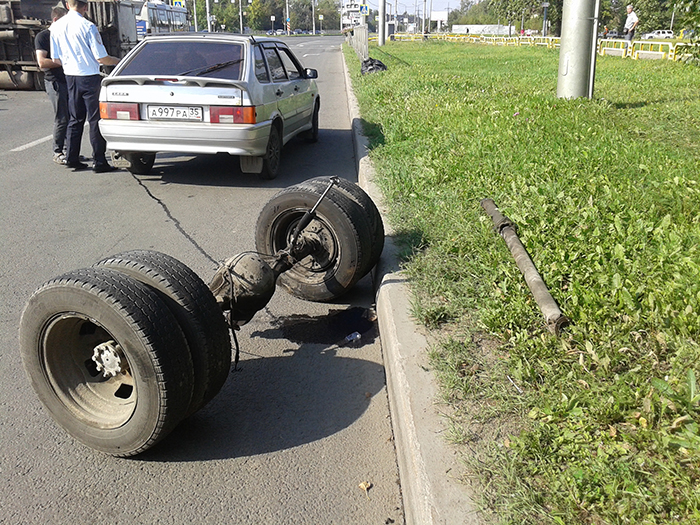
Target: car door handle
x=279 y=92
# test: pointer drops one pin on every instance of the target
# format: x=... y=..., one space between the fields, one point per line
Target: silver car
x=208 y=93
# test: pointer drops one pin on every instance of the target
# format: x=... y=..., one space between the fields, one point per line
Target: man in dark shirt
x=56 y=87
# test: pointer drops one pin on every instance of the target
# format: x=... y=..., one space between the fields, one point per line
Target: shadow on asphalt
x=300 y=161
x=275 y=403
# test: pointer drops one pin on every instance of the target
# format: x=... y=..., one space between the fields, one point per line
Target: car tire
x=345 y=242
x=193 y=305
x=312 y=134
x=100 y=311
x=369 y=209
x=273 y=153
x=139 y=163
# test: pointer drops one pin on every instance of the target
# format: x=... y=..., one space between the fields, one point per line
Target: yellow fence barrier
x=652 y=50
x=606 y=46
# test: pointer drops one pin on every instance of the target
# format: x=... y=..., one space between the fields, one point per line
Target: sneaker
x=104 y=168
x=59 y=158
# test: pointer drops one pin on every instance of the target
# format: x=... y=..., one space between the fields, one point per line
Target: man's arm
x=42 y=58
x=108 y=61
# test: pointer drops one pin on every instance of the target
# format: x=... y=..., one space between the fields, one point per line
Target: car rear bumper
x=186 y=137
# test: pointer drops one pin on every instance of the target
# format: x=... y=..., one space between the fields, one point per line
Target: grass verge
x=599 y=425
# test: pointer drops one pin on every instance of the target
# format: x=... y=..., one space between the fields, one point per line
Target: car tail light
x=119 y=111
x=232 y=114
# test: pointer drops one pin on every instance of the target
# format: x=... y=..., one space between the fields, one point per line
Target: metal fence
x=358 y=39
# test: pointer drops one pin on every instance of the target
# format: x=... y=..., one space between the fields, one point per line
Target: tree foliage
x=257 y=13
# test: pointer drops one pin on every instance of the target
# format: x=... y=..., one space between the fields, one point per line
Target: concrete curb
x=428 y=466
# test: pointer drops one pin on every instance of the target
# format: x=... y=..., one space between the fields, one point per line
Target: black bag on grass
x=372 y=65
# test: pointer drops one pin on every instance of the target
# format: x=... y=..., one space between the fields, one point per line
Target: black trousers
x=83 y=103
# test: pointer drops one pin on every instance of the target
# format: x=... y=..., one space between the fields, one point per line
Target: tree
x=330 y=9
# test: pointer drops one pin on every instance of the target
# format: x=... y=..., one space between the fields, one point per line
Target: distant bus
x=159 y=17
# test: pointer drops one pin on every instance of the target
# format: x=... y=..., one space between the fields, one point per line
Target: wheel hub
x=108 y=358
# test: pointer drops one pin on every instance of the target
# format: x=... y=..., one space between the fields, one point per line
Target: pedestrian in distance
x=77 y=46
x=55 y=86
x=631 y=23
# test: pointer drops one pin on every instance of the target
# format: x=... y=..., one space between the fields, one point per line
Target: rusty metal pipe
x=554 y=317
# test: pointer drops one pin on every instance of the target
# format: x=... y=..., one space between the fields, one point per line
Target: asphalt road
x=296 y=428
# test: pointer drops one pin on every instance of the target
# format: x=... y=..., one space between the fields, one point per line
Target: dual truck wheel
x=121 y=352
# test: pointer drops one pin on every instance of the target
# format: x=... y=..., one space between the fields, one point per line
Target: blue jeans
x=58 y=94
x=83 y=103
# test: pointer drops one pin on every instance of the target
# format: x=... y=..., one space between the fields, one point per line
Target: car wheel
x=193 y=305
x=271 y=159
x=340 y=230
x=139 y=163
x=312 y=134
x=369 y=209
x=107 y=359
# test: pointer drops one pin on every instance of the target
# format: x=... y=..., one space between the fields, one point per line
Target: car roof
x=201 y=37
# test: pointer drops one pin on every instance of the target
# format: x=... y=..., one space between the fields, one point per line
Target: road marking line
x=32 y=144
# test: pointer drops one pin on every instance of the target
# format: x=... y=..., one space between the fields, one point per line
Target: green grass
x=599 y=425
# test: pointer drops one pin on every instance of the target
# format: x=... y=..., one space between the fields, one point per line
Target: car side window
x=275 y=64
x=260 y=68
x=291 y=66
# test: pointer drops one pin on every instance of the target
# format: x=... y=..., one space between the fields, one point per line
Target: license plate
x=175 y=113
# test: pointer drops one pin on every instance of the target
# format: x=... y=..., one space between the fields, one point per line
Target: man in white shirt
x=77 y=45
x=631 y=23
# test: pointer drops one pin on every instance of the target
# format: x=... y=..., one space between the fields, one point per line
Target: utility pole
x=240 y=14
x=208 y=18
x=313 y=17
x=287 y=18
x=577 y=53
x=544 y=21
x=381 y=22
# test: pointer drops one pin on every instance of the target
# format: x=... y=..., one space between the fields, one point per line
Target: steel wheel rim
x=323 y=259
x=68 y=344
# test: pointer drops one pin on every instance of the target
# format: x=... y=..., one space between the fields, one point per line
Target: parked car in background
x=281 y=32
x=207 y=94
x=658 y=34
x=613 y=34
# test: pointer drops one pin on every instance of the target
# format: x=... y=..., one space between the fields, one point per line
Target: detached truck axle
x=121 y=352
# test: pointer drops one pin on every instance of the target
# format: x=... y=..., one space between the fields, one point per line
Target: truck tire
x=341 y=260
x=194 y=307
x=370 y=211
x=139 y=163
x=107 y=359
x=39 y=82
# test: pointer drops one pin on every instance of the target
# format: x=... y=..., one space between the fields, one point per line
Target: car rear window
x=205 y=59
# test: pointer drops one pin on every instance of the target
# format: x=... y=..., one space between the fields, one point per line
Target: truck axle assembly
x=119 y=353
